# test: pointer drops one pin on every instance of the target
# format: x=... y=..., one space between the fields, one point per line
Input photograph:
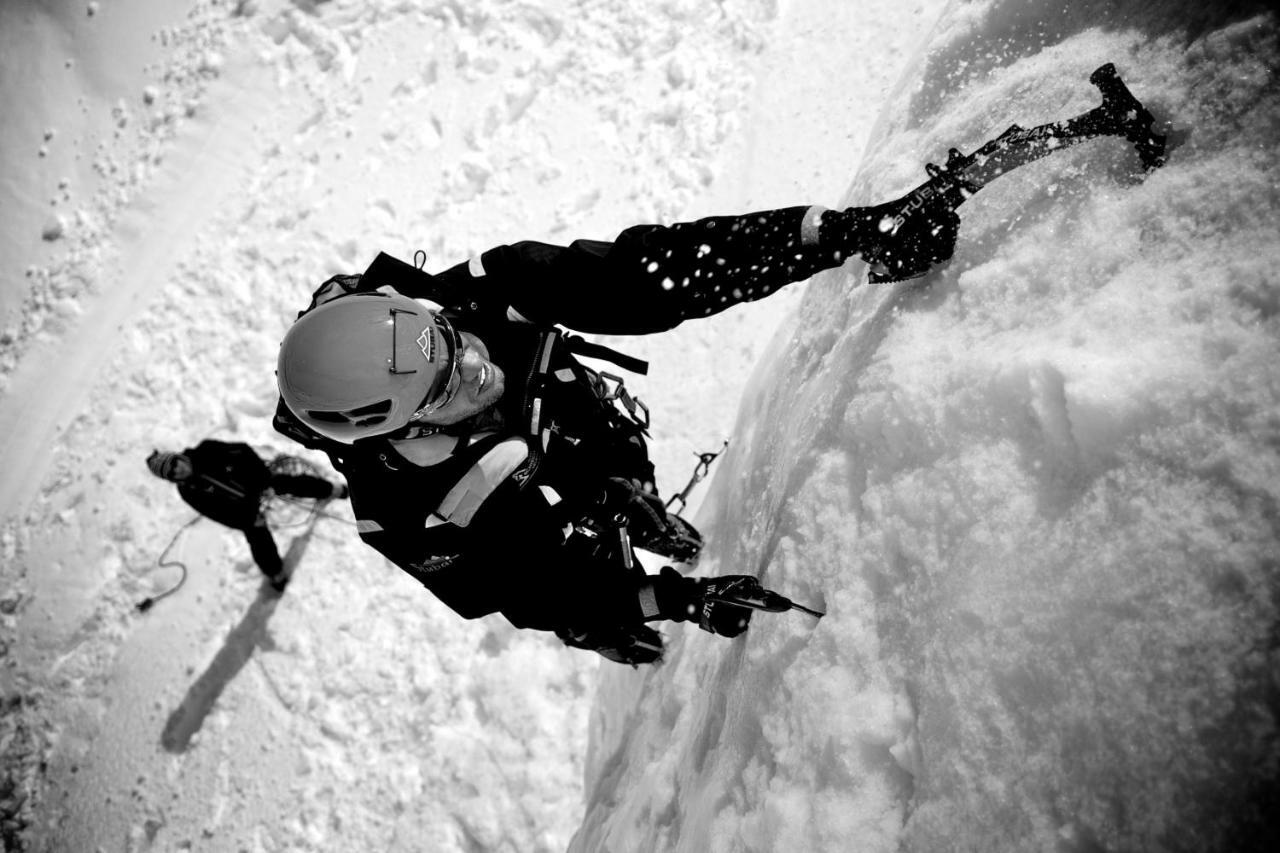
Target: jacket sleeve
x=653 y=277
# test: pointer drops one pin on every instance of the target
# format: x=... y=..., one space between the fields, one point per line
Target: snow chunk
x=54 y=228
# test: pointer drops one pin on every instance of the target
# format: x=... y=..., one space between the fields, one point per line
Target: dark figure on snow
x=227 y=483
x=492 y=465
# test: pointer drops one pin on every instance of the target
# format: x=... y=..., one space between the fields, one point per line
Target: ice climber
x=228 y=482
x=489 y=463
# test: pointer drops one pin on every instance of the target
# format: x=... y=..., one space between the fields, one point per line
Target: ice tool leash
x=950 y=185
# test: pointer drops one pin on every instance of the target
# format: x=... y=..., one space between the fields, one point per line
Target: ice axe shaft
x=1119 y=114
x=951 y=184
x=759 y=598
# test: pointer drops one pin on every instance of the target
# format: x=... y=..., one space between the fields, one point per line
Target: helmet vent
x=364 y=416
x=380 y=408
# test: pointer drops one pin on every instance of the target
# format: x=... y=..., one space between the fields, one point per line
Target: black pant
x=263 y=548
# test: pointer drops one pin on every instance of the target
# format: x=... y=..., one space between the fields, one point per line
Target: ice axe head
x=1129 y=117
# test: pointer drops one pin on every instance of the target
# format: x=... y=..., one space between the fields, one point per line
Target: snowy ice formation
x=1035 y=492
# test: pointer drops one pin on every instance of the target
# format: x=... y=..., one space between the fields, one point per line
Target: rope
x=314 y=505
x=294 y=466
x=161 y=563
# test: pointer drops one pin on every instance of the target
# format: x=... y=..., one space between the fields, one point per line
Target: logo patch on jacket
x=434 y=563
x=522 y=474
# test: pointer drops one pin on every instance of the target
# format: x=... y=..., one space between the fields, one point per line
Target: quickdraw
x=699 y=473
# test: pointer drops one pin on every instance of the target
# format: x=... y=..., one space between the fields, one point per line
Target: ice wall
x=1035 y=492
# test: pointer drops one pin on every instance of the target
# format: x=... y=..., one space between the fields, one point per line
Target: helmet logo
x=427 y=343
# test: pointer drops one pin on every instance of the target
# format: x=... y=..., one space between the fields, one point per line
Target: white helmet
x=363 y=365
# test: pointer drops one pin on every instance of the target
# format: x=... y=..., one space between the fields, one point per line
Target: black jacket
x=226 y=482
x=513 y=555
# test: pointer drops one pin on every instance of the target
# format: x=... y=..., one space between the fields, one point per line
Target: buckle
x=623 y=396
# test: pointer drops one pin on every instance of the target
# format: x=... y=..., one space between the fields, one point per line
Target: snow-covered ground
x=1035 y=492
x=178 y=177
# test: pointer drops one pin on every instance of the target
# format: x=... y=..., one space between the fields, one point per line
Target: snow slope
x=1036 y=492
x=178 y=177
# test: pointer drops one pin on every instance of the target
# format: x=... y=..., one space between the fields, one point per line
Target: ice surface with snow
x=1034 y=492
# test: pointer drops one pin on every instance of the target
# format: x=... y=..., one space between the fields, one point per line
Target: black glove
x=901 y=240
x=682 y=599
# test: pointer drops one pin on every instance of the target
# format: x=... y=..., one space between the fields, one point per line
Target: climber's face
x=474 y=383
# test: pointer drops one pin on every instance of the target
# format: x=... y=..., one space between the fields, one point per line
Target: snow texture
x=182 y=176
x=1035 y=492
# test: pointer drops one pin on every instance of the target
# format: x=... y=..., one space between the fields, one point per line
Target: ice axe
x=750 y=593
x=950 y=185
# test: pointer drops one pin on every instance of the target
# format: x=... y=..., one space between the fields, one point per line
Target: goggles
x=443 y=393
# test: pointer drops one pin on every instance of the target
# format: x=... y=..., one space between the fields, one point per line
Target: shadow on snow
x=240 y=644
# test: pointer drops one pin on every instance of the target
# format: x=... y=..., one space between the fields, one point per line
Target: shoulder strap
x=411 y=281
x=479 y=482
x=580 y=346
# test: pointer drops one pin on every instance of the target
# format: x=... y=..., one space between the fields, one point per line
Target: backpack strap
x=580 y=346
x=479 y=482
x=411 y=281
